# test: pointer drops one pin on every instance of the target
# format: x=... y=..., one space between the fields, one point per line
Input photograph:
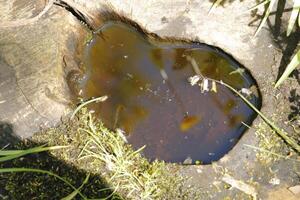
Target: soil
x=36 y=58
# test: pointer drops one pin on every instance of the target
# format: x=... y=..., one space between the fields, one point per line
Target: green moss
x=269 y=141
x=88 y=37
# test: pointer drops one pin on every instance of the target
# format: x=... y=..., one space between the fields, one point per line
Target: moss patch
x=271 y=147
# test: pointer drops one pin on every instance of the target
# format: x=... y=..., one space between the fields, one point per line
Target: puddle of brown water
x=151 y=99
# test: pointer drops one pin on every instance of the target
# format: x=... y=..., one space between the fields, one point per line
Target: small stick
x=270 y=152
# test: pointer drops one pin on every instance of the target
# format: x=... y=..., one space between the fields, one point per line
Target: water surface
x=152 y=101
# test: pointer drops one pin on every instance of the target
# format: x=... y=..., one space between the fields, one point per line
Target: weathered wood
x=33 y=90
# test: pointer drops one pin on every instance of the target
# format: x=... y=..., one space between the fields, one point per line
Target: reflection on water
x=152 y=100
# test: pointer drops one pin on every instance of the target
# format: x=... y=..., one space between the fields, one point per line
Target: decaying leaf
x=188 y=122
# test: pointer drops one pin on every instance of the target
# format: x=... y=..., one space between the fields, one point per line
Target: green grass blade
x=98 y=99
x=291 y=66
x=11 y=157
x=299 y=19
x=266 y=15
x=293 y=17
x=12 y=154
x=74 y=194
x=216 y=4
x=258 y=5
x=16 y=170
x=31 y=150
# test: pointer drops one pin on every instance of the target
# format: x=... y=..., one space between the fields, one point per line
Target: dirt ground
x=36 y=58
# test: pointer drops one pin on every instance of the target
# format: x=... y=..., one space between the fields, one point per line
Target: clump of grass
x=129 y=172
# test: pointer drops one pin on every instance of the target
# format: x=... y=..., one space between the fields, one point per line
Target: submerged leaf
x=189 y=122
x=240 y=71
x=292 y=65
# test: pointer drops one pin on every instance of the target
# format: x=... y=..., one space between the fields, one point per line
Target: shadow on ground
x=287 y=44
x=295 y=105
x=41 y=186
x=225 y=1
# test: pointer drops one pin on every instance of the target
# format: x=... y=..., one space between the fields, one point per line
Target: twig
x=240 y=185
x=270 y=152
x=246 y=125
x=22 y=22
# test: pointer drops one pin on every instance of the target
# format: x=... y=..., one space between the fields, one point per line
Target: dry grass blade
x=240 y=185
x=292 y=65
x=216 y=4
x=98 y=99
x=293 y=17
x=270 y=152
x=266 y=15
x=258 y=5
